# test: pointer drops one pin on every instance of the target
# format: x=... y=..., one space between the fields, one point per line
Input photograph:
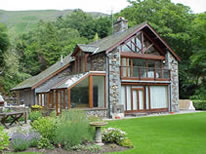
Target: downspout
x=108 y=85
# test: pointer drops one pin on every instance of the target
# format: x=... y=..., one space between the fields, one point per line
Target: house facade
x=133 y=70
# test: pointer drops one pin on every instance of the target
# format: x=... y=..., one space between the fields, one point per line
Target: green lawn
x=172 y=134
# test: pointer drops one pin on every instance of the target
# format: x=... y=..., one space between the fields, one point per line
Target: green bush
x=34 y=115
x=4 y=140
x=44 y=143
x=199 y=104
x=113 y=135
x=73 y=129
x=46 y=126
x=126 y=143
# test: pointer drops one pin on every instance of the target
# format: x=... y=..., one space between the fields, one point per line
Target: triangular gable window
x=140 y=43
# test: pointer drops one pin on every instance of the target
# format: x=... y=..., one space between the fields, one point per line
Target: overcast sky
x=104 y=6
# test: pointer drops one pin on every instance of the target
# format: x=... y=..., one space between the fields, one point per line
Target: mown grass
x=172 y=134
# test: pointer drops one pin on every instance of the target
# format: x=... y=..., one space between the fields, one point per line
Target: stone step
x=136 y=114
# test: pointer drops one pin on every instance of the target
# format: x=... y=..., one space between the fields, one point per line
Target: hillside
x=22 y=21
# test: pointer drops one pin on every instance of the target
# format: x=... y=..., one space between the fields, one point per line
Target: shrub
x=33 y=138
x=73 y=129
x=113 y=135
x=45 y=126
x=34 y=115
x=4 y=139
x=199 y=104
x=19 y=141
x=44 y=143
x=126 y=143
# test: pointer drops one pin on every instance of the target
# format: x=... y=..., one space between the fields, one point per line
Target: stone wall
x=97 y=112
x=172 y=64
x=114 y=78
x=97 y=63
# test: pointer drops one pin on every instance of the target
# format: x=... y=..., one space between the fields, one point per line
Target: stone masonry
x=172 y=64
x=97 y=62
x=114 y=78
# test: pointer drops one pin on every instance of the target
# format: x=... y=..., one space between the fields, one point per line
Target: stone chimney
x=120 y=25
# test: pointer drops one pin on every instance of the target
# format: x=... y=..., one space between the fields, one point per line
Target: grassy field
x=172 y=134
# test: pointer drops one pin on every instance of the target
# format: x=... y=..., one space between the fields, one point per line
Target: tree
x=4 y=44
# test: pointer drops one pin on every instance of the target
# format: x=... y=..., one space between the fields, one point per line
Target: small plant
x=44 y=143
x=91 y=148
x=34 y=115
x=46 y=126
x=73 y=129
x=33 y=138
x=37 y=107
x=113 y=135
x=19 y=141
x=126 y=143
x=4 y=140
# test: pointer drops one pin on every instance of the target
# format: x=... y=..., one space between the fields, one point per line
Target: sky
x=104 y=6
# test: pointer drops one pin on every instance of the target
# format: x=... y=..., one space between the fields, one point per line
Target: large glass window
x=98 y=91
x=80 y=95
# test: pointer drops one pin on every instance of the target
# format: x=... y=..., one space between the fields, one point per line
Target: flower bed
x=71 y=131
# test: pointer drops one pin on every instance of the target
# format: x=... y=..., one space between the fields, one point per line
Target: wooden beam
x=129 y=47
x=64 y=98
x=60 y=100
x=56 y=102
x=159 y=49
x=52 y=99
x=41 y=99
x=91 y=91
x=141 y=56
x=37 y=99
x=135 y=45
x=142 y=42
x=48 y=99
x=148 y=48
x=69 y=98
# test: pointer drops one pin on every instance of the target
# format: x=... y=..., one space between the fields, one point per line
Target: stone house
x=133 y=69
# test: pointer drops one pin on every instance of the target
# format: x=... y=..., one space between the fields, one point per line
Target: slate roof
x=30 y=82
x=107 y=42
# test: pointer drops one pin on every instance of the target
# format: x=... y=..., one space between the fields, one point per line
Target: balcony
x=144 y=73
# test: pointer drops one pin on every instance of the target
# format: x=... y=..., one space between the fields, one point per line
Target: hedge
x=199 y=104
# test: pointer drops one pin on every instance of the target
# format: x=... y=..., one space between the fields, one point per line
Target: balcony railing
x=144 y=73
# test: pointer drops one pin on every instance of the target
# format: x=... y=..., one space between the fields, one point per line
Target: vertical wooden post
x=68 y=98
x=131 y=67
x=48 y=99
x=41 y=98
x=52 y=95
x=44 y=99
x=56 y=102
x=127 y=67
x=64 y=99
x=60 y=100
x=90 y=91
